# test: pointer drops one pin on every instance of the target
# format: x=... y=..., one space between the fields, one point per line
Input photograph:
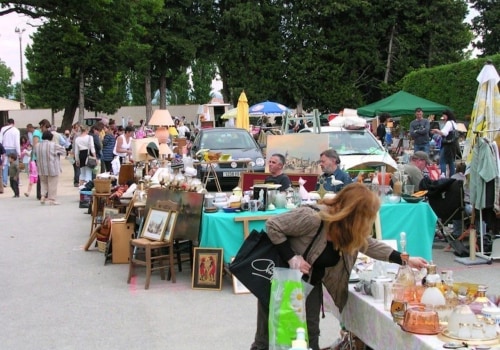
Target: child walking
x=33 y=176
x=14 y=174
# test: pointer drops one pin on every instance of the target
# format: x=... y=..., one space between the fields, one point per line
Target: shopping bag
x=287 y=308
x=254 y=264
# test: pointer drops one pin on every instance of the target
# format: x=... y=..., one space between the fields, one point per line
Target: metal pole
x=20 y=33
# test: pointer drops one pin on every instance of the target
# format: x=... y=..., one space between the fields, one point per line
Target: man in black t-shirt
x=276 y=165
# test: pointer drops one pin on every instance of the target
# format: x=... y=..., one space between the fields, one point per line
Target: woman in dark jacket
x=108 y=144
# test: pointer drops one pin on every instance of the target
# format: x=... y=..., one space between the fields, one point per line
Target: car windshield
x=221 y=140
x=354 y=142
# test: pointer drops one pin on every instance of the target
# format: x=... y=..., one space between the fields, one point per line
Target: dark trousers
x=76 y=174
x=313 y=308
x=14 y=184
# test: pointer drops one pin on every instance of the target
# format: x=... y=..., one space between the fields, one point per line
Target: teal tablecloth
x=416 y=219
x=219 y=230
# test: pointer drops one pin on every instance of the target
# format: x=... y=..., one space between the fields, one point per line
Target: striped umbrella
x=486 y=110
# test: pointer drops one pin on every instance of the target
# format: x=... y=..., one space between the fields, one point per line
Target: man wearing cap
x=419 y=131
x=415 y=169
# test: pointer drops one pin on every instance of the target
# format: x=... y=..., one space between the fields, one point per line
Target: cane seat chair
x=154 y=255
x=181 y=246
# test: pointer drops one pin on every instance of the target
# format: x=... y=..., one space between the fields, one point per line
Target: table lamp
x=162 y=119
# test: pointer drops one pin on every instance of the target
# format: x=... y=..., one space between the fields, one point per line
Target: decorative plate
x=231 y=210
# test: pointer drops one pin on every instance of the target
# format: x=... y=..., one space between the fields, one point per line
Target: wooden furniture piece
x=246 y=221
x=121 y=235
x=154 y=258
x=180 y=245
x=99 y=201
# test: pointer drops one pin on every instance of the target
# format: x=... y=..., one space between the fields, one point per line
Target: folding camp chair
x=446 y=198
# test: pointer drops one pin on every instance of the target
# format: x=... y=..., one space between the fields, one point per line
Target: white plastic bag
x=115 y=164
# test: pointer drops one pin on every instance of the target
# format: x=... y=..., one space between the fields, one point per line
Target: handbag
x=452 y=137
x=254 y=263
x=91 y=162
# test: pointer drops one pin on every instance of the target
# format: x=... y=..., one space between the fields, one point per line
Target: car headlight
x=260 y=162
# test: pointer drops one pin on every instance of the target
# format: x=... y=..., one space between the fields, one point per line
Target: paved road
x=54 y=295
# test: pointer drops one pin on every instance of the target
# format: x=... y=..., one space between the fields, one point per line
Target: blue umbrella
x=268 y=107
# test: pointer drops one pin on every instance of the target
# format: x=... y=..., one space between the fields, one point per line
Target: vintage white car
x=357 y=146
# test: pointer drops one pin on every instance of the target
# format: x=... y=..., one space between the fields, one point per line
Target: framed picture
x=155 y=224
x=238 y=287
x=190 y=207
x=108 y=211
x=130 y=207
x=207 y=269
x=169 y=233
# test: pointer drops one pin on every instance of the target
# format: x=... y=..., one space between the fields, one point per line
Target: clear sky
x=9 y=42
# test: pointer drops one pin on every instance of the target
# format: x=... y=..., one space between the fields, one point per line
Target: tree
x=486 y=26
x=6 y=75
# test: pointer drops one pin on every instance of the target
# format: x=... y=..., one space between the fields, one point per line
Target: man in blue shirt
x=329 y=162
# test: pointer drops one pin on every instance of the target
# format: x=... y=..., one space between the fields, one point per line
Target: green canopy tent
x=401 y=103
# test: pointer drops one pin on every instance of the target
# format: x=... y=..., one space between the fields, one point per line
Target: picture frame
x=155 y=224
x=109 y=211
x=238 y=287
x=130 y=207
x=207 y=268
x=169 y=232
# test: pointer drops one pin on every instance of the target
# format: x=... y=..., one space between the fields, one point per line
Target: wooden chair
x=180 y=245
x=155 y=257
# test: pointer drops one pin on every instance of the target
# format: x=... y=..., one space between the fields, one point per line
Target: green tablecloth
x=219 y=230
x=416 y=219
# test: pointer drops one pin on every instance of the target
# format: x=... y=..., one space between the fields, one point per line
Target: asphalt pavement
x=55 y=295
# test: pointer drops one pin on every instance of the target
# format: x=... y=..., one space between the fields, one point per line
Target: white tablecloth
x=367 y=318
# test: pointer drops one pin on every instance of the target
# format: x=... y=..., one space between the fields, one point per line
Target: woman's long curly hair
x=349 y=217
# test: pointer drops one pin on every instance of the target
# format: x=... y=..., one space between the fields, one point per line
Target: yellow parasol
x=242 y=118
x=230 y=114
x=486 y=110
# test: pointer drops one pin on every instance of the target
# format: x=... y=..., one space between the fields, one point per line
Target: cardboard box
x=121 y=234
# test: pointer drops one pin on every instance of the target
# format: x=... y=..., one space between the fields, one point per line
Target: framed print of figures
x=155 y=224
x=207 y=268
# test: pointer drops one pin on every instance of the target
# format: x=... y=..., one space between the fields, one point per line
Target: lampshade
x=161 y=117
x=164 y=149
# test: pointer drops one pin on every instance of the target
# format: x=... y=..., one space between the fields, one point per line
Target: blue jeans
x=5 y=174
x=423 y=147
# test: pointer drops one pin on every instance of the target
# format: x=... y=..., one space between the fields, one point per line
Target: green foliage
x=6 y=75
x=454 y=85
x=486 y=26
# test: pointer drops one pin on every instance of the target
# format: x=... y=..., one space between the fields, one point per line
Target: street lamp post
x=20 y=33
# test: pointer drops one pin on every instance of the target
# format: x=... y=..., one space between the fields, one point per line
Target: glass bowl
x=420 y=320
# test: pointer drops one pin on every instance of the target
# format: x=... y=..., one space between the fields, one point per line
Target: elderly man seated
x=415 y=168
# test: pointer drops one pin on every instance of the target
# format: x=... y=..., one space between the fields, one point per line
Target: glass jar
x=481 y=300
